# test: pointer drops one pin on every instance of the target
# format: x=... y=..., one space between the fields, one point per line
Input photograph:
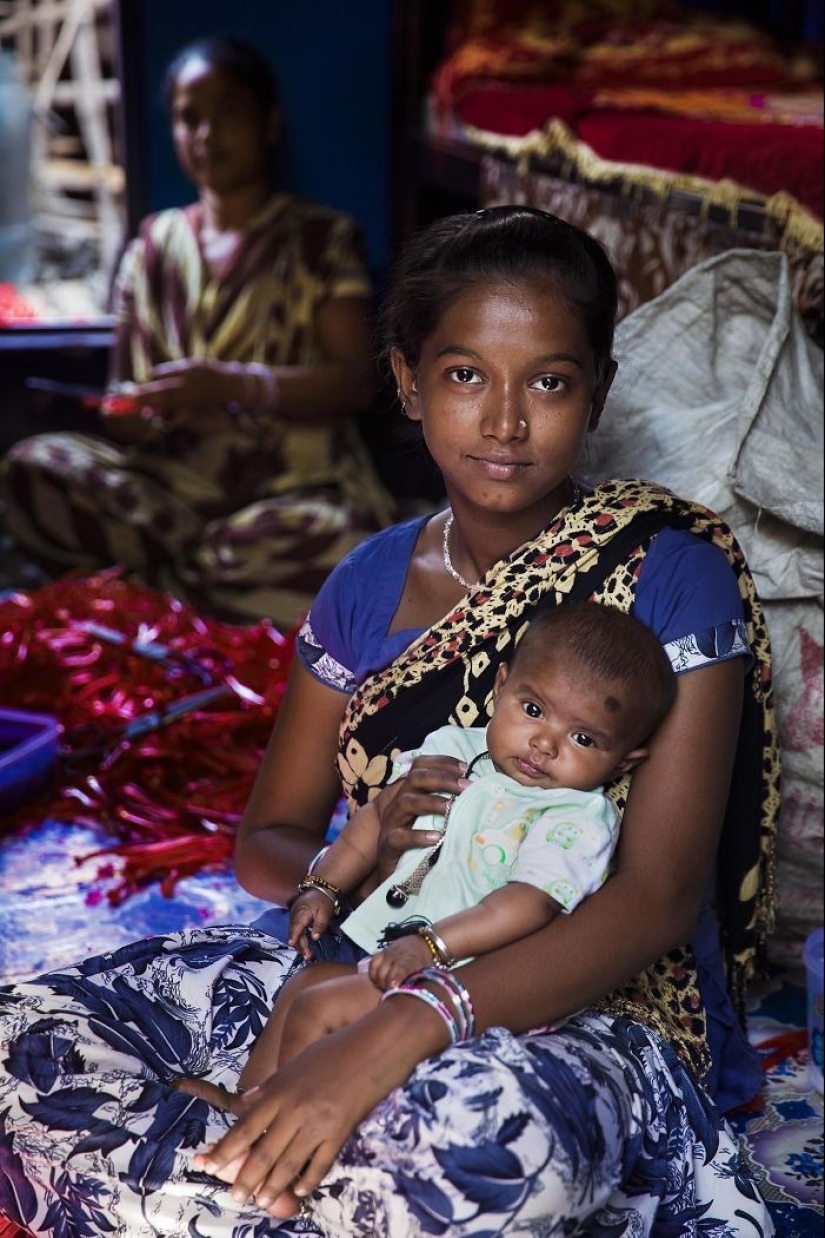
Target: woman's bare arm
x=346 y=381
x=295 y=792
x=341 y=381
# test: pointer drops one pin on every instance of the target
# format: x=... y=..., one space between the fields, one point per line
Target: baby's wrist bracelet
x=311 y=882
x=438 y=948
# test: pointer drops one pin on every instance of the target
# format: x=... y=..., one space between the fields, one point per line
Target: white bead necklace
x=448 y=528
x=448 y=562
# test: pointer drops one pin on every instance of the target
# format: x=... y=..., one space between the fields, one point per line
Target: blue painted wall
x=332 y=59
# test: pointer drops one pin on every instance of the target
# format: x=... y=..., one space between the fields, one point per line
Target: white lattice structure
x=66 y=55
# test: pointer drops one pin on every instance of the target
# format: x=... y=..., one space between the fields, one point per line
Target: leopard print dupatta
x=594 y=550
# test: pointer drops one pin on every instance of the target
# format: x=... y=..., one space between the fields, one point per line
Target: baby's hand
x=392 y=966
x=311 y=910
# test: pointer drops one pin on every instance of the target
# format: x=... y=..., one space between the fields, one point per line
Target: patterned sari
x=598 y=1128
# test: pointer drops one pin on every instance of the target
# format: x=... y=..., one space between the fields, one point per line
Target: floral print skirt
x=596 y=1129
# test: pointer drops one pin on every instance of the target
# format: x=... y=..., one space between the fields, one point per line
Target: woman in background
x=231 y=469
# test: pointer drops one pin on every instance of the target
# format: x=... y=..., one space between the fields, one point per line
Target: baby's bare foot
x=212 y=1093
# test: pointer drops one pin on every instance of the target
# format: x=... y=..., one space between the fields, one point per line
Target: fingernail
x=431 y=838
x=239 y=1195
x=464 y=783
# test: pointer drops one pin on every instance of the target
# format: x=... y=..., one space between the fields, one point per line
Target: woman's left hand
x=295 y=1124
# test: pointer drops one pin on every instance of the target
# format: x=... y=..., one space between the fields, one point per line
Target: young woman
x=243 y=345
x=499 y=328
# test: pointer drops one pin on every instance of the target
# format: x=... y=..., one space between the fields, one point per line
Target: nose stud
x=522 y=425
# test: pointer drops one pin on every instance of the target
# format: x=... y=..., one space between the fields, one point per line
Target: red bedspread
x=668 y=89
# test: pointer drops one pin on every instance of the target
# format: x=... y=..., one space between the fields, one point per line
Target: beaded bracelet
x=424 y=995
x=438 y=948
x=459 y=1015
x=311 y=882
x=454 y=990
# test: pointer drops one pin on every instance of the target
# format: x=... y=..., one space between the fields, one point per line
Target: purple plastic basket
x=28 y=755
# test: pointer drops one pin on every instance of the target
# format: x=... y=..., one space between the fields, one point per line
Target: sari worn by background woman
x=245 y=515
x=603 y=1122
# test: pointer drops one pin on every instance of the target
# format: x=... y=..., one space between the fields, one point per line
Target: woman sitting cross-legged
x=499 y=329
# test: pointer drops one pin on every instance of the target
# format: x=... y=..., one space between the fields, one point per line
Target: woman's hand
x=425 y=789
x=294 y=1125
x=178 y=389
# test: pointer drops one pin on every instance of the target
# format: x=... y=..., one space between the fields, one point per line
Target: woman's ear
x=407 y=387
x=600 y=397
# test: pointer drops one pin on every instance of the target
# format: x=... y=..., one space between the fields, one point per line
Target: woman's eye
x=549 y=382
x=465 y=375
x=532 y=709
x=583 y=740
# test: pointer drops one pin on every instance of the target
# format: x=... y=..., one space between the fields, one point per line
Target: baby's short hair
x=612 y=645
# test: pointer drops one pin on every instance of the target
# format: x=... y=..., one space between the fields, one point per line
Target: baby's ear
x=630 y=760
x=501 y=677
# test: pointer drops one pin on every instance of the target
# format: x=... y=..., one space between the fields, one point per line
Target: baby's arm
x=503 y=916
x=344 y=865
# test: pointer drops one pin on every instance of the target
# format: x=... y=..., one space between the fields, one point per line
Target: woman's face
x=222 y=135
x=506 y=392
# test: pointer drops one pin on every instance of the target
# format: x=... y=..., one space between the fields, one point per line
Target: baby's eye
x=465 y=375
x=583 y=739
x=532 y=709
x=549 y=382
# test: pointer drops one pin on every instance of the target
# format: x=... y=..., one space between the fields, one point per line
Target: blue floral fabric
x=595 y=1129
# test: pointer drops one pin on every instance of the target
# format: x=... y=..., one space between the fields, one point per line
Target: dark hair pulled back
x=512 y=244
x=240 y=60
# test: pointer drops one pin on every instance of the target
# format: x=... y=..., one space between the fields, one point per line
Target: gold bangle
x=310 y=882
x=438 y=948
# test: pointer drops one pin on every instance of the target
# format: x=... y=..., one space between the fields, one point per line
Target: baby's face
x=557 y=724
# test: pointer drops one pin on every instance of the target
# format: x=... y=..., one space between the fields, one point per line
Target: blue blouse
x=686 y=594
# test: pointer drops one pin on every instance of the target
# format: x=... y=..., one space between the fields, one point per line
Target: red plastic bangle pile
x=171 y=798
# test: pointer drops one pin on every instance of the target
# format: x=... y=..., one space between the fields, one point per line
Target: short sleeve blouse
x=686 y=594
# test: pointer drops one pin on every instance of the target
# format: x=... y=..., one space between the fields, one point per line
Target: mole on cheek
x=612 y=704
